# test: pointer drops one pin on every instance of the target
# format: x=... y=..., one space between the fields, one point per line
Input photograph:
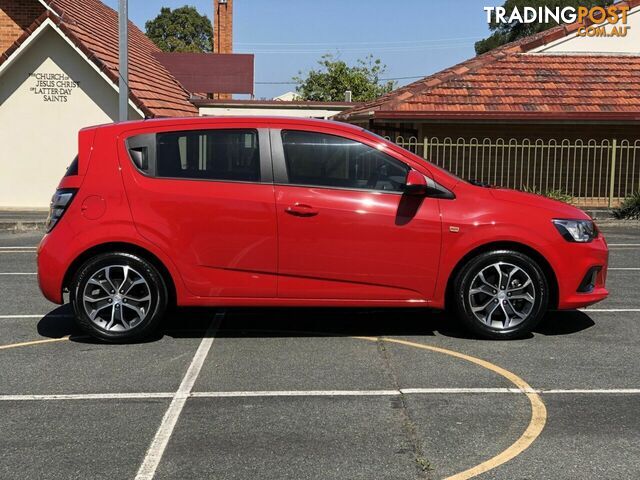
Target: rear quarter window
x=217 y=154
x=72 y=169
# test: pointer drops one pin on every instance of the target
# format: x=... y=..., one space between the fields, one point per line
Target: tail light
x=59 y=204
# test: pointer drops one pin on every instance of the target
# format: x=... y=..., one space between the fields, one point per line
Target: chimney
x=223 y=26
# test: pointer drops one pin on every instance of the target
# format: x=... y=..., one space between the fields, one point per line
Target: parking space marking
x=85 y=396
x=623 y=268
x=159 y=444
x=316 y=393
x=48 y=315
x=17 y=251
x=178 y=399
x=34 y=342
x=626 y=391
x=33 y=249
x=624 y=245
x=17 y=273
x=297 y=393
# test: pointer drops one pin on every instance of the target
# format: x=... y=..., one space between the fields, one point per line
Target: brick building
x=15 y=18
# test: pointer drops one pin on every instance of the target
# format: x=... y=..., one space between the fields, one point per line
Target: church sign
x=53 y=87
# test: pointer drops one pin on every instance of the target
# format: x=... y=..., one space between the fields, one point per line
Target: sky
x=414 y=38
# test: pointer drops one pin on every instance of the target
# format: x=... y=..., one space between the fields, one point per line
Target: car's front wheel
x=118 y=297
x=501 y=294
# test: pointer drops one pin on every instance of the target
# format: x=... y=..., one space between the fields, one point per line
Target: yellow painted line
x=34 y=342
x=538 y=410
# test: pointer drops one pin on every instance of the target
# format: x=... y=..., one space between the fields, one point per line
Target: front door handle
x=301 y=210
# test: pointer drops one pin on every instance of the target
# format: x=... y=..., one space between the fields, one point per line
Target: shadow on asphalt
x=309 y=322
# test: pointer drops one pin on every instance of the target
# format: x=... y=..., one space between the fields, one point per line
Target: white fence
x=594 y=172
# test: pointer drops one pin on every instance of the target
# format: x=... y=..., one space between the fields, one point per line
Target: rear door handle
x=301 y=210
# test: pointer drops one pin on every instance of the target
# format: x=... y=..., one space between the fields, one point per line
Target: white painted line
x=19 y=248
x=409 y=391
x=86 y=396
x=53 y=315
x=297 y=393
x=623 y=268
x=17 y=273
x=17 y=251
x=626 y=391
x=159 y=444
x=318 y=393
x=612 y=310
x=624 y=245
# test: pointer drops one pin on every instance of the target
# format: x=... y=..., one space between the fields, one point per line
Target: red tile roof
x=507 y=83
x=93 y=28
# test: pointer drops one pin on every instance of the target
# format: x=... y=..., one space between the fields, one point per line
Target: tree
x=505 y=33
x=180 y=30
x=334 y=77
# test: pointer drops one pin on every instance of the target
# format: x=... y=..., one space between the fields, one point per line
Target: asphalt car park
x=319 y=393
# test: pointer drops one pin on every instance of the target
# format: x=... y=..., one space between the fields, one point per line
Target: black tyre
x=118 y=297
x=501 y=294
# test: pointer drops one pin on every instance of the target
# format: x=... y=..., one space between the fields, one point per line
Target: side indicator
x=454 y=229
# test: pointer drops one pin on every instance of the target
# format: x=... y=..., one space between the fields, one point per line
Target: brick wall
x=15 y=17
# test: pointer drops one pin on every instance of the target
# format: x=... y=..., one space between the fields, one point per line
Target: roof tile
x=93 y=27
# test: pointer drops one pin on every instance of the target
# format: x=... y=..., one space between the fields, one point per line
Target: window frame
x=281 y=174
x=149 y=141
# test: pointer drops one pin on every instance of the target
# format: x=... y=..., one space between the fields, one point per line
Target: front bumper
x=574 y=263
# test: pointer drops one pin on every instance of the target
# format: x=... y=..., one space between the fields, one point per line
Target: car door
x=345 y=229
x=205 y=196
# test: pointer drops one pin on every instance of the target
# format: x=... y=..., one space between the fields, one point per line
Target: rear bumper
x=53 y=262
x=574 y=264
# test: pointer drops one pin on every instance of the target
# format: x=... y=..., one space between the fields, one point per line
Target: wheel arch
x=123 y=247
x=546 y=267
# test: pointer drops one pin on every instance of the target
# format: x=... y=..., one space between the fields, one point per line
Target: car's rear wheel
x=118 y=297
x=501 y=294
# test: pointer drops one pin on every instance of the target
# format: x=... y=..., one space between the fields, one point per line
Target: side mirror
x=416 y=184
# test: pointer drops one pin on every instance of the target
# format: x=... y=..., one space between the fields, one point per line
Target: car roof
x=213 y=120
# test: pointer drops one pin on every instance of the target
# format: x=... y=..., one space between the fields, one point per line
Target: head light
x=581 y=231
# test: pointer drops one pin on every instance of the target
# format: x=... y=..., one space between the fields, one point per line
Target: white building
x=60 y=75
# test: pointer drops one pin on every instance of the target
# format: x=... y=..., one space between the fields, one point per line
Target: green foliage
x=334 y=77
x=630 y=208
x=559 y=195
x=505 y=33
x=181 y=30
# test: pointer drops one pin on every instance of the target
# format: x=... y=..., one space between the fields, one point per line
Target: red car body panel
x=238 y=243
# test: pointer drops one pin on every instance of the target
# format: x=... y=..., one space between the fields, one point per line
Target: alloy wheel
x=117 y=298
x=502 y=295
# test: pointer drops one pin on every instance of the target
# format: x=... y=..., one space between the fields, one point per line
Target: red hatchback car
x=291 y=212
